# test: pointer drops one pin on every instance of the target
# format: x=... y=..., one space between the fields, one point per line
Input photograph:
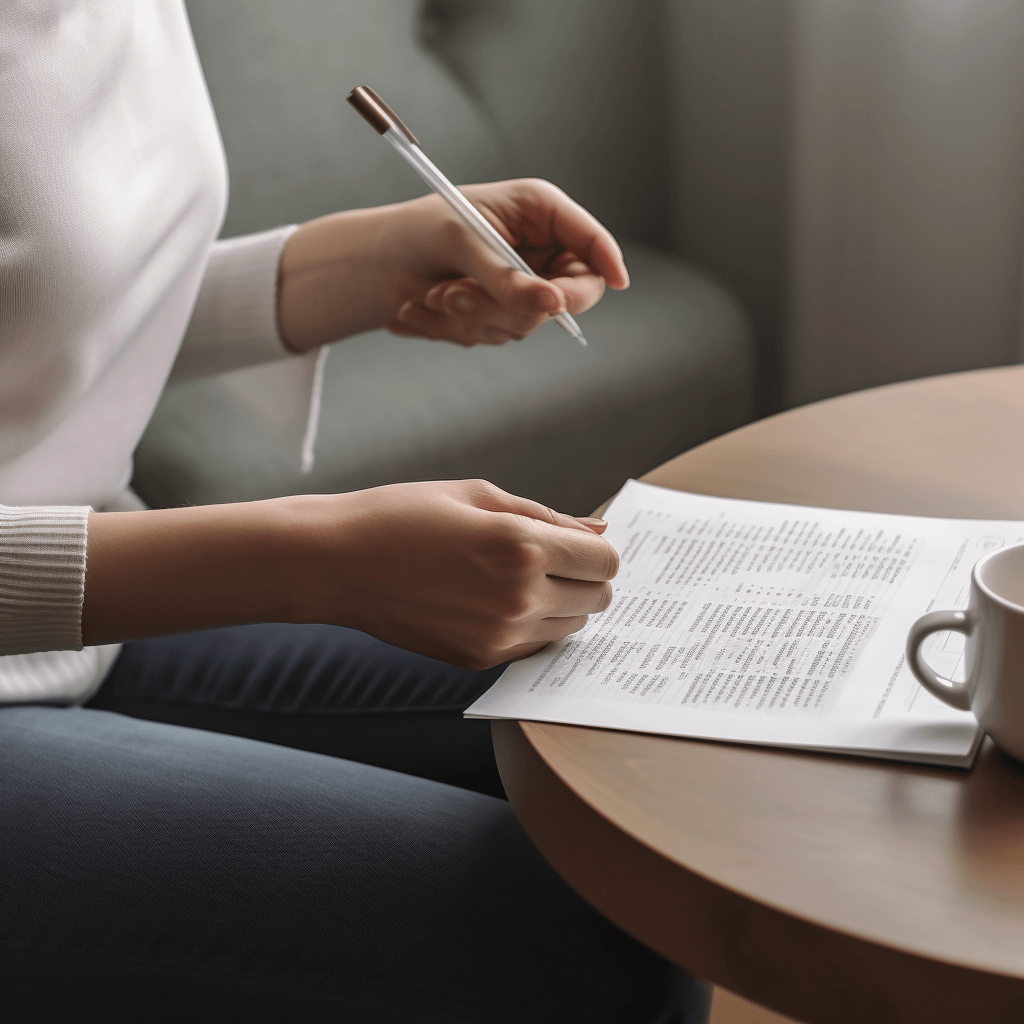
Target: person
x=235 y=783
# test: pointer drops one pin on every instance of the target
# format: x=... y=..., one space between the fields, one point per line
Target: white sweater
x=112 y=191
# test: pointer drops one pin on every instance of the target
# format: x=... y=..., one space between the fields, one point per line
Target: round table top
x=827 y=888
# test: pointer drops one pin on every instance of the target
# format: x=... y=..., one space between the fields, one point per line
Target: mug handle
x=957 y=695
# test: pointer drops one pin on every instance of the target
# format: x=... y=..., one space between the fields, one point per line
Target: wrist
x=337 y=278
x=313 y=558
x=293 y=534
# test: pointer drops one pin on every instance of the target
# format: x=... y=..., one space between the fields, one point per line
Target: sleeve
x=233 y=332
x=234 y=321
x=42 y=577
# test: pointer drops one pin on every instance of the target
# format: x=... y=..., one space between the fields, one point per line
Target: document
x=750 y=622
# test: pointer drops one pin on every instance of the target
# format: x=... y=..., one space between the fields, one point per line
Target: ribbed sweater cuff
x=42 y=577
x=234 y=322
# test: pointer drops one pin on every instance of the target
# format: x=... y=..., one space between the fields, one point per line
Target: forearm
x=174 y=570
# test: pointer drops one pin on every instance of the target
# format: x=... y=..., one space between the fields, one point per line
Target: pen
x=387 y=123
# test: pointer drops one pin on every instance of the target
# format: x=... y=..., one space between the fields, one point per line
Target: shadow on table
x=990 y=824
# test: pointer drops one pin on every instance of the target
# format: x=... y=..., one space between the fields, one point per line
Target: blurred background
x=816 y=196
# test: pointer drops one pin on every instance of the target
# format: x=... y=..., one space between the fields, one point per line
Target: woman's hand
x=418 y=270
x=462 y=292
x=459 y=570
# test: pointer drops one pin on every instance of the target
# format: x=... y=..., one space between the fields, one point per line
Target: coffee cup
x=993 y=624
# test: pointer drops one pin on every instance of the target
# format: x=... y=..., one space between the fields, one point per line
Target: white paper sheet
x=759 y=623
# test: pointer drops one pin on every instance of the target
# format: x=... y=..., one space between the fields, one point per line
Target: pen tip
x=581 y=340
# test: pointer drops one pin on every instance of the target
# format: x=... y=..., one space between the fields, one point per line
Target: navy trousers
x=290 y=824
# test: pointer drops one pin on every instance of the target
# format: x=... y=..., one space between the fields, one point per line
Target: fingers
x=465 y=571
x=572 y=545
x=561 y=598
x=549 y=631
x=515 y=301
x=546 y=542
x=488 y=496
x=491 y=303
x=520 y=293
x=582 y=234
x=461 y=311
x=414 y=321
x=465 y=298
x=578 y=555
x=541 y=213
x=568 y=547
x=579 y=286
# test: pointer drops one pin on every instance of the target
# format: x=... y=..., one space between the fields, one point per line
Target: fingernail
x=591 y=521
x=463 y=303
x=548 y=302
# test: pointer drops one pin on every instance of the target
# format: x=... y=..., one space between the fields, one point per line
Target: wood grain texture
x=728 y=1008
x=829 y=889
x=944 y=446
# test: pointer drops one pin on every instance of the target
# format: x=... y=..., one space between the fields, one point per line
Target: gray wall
x=907 y=191
x=729 y=71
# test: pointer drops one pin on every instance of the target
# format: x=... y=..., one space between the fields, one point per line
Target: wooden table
x=829 y=889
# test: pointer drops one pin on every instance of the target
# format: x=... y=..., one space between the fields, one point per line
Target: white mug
x=994 y=652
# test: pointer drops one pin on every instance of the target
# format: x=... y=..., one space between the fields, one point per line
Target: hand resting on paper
x=418 y=270
x=460 y=571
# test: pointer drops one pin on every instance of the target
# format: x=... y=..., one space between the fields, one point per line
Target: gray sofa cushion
x=668 y=367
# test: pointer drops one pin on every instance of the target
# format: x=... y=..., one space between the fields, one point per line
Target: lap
x=282 y=668
x=320 y=688
x=152 y=872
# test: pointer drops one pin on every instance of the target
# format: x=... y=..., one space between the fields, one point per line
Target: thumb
x=515 y=290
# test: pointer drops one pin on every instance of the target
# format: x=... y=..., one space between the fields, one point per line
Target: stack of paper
x=771 y=624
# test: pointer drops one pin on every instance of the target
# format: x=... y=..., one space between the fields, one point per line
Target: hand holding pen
x=557 y=237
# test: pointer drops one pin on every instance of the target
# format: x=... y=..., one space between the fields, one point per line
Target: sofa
x=493 y=88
